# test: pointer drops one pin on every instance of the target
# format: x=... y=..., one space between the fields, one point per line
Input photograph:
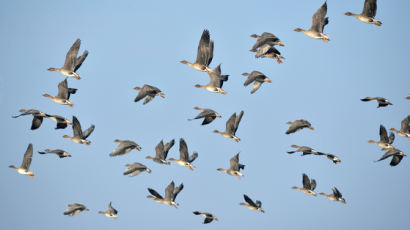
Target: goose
x=308 y=186
x=306 y=150
x=25 y=165
x=264 y=46
x=111 y=212
x=72 y=62
x=149 y=92
x=234 y=168
x=404 y=129
x=231 y=126
x=329 y=156
x=161 y=152
x=184 y=158
x=124 y=147
x=63 y=95
x=135 y=169
x=335 y=196
x=383 y=102
x=208 y=114
x=256 y=206
x=319 y=21
x=208 y=216
x=257 y=78
x=61 y=121
x=269 y=51
x=170 y=194
x=204 y=54
x=37 y=117
x=385 y=141
x=74 y=209
x=397 y=155
x=59 y=152
x=368 y=13
x=79 y=135
x=298 y=125
x=216 y=82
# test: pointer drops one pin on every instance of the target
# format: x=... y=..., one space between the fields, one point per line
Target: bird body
x=308 y=186
x=335 y=196
x=255 y=206
x=184 y=158
x=368 y=13
x=80 y=136
x=111 y=212
x=161 y=152
x=149 y=92
x=63 y=95
x=319 y=21
x=208 y=216
x=170 y=194
x=205 y=54
x=231 y=126
x=59 y=152
x=298 y=125
x=124 y=147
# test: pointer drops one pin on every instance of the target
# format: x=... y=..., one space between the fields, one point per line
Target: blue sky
x=134 y=43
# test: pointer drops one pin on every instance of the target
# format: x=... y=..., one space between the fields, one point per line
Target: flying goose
x=329 y=156
x=72 y=62
x=306 y=150
x=231 y=126
x=135 y=169
x=25 y=165
x=161 y=152
x=63 y=95
x=368 y=13
x=298 y=125
x=60 y=153
x=61 y=121
x=234 y=168
x=404 y=129
x=383 y=102
x=184 y=158
x=264 y=46
x=79 y=135
x=149 y=92
x=385 y=141
x=204 y=54
x=208 y=114
x=308 y=186
x=170 y=194
x=37 y=117
x=256 y=206
x=124 y=147
x=74 y=209
x=257 y=78
x=111 y=212
x=319 y=21
x=208 y=216
x=216 y=82
x=397 y=155
x=335 y=196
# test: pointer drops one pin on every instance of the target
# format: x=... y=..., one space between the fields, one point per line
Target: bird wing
x=237 y=121
x=208 y=220
x=141 y=94
x=154 y=193
x=71 y=56
x=306 y=182
x=205 y=113
x=312 y=184
x=71 y=91
x=112 y=210
x=205 y=49
x=208 y=120
x=183 y=150
x=78 y=132
x=120 y=150
x=396 y=160
x=337 y=193
x=405 y=125
x=389 y=153
x=265 y=38
x=230 y=124
x=391 y=138
x=370 y=8
x=234 y=163
x=216 y=77
x=159 y=150
x=88 y=132
x=28 y=156
x=256 y=86
x=258 y=203
x=167 y=147
x=318 y=19
x=176 y=191
x=249 y=200
x=169 y=191
x=383 y=135
x=79 y=61
x=193 y=157
x=249 y=80
x=63 y=89
x=36 y=122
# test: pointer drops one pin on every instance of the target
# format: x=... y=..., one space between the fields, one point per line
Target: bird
x=161 y=152
x=124 y=147
x=135 y=169
x=335 y=196
x=256 y=206
x=234 y=168
x=111 y=212
x=231 y=126
x=37 y=117
x=269 y=52
x=298 y=125
x=216 y=82
x=170 y=194
x=79 y=135
x=264 y=46
x=74 y=209
x=204 y=55
x=59 y=152
x=149 y=92
x=208 y=216
x=72 y=62
x=62 y=122
x=404 y=129
x=24 y=168
x=306 y=150
x=257 y=78
x=395 y=153
x=408 y=98
x=63 y=95
x=319 y=21
x=208 y=114
x=383 y=102
x=368 y=13
x=385 y=141
x=329 y=156
x=308 y=186
x=184 y=158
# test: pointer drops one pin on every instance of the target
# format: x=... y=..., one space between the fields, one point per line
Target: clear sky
x=132 y=43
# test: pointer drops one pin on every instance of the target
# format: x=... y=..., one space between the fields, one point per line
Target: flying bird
x=59 y=152
x=135 y=169
x=335 y=196
x=404 y=129
x=124 y=147
x=329 y=156
x=256 y=206
x=74 y=209
x=184 y=158
x=72 y=62
x=368 y=13
x=170 y=194
x=234 y=168
x=208 y=216
x=306 y=150
x=319 y=21
x=231 y=126
x=61 y=121
x=208 y=114
x=79 y=135
x=216 y=82
x=298 y=125
x=24 y=169
x=149 y=92
x=37 y=117
x=395 y=153
x=257 y=78
x=204 y=55
x=385 y=141
x=111 y=212
x=63 y=95
x=264 y=46
x=308 y=186
x=383 y=102
x=161 y=152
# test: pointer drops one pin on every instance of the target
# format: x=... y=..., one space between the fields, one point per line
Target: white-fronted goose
x=385 y=141
x=335 y=196
x=257 y=78
x=72 y=62
x=63 y=95
x=319 y=21
x=37 y=117
x=397 y=155
x=256 y=206
x=80 y=136
x=170 y=194
x=231 y=126
x=59 y=152
x=25 y=165
x=184 y=158
x=208 y=114
x=368 y=13
x=149 y=92
x=124 y=147
x=404 y=129
x=264 y=46
x=234 y=168
x=383 y=102
x=216 y=82
x=74 y=209
x=298 y=125
x=135 y=169
x=204 y=55
x=161 y=152
x=62 y=122
x=308 y=186
x=111 y=212
x=208 y=216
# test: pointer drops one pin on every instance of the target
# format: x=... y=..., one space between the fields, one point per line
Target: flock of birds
x=263 y=47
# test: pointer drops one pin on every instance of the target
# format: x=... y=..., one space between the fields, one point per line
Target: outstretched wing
x=306 y=182
x=249 y=200
x=71 y=56
x=176 y=191
x=370 y=8
x=63 y=89
x=193 y=157
x=318 y=19
x=167 y=147
x=28 y=156
x=383 y=135
x=230 y=124
x=205 y=49
x=154 y=193
x=337 y=193
x=88 y=132
x=183 y=150
x=78 y=132
x=79 y=61
x=237 y=121
x=234 y=163
x=159 y=150
x=405 y=125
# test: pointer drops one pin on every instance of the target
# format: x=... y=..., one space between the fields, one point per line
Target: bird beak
x=161 y=95
x=268 y=80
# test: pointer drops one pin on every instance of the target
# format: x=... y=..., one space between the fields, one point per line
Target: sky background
x=132 y=43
